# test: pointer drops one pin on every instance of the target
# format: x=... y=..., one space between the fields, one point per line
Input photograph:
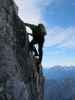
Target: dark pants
x=32 y=47
x=40 y=47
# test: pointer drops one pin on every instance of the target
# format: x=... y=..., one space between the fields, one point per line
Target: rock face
x=19 y=78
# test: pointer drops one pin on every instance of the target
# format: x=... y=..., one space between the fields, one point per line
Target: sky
x=58 y=17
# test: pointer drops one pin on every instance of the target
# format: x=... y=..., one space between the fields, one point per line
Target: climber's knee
x=37 y=63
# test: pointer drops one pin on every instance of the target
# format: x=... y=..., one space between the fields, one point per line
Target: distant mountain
x=59 y=83
x=59 y=72
x=63 y=90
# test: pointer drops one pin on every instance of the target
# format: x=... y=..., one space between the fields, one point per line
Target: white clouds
x=31 y=10
x=28 y=11
x=62 y=37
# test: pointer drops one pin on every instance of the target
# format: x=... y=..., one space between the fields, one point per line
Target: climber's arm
x=40 y=49
x=32 y=26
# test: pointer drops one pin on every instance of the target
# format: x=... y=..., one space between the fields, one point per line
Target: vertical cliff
x=19 y=78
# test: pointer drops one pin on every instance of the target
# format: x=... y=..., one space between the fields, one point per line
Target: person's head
x=42 y=29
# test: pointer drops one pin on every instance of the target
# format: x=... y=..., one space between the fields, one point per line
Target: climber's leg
x=32 y=47
x=41 y=49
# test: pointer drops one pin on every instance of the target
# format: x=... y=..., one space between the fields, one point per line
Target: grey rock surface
x=16 y=60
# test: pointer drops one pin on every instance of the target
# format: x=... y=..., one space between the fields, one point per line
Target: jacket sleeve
x=30 y=26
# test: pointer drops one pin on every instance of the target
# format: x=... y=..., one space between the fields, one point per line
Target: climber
x=38 y=33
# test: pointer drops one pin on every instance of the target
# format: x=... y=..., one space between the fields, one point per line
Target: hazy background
x=59 y=19
x=59 y=49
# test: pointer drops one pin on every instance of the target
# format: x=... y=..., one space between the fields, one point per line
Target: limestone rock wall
x=18 y=70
